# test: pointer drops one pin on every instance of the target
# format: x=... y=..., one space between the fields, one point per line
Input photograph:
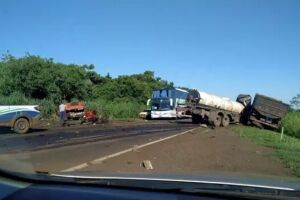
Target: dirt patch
x=217 y=150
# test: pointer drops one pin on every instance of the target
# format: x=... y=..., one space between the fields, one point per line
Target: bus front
x=162 y=105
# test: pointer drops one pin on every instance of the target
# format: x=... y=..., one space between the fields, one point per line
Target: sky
x=223 y=47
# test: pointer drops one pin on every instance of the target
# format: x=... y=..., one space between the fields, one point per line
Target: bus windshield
x=161 y=104
x=165 y=93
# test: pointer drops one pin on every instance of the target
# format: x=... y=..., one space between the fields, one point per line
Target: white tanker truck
x=215 y=110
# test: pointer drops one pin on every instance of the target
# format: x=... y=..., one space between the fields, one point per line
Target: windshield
x=179 y=88
x=165 y=93
x=161 y=104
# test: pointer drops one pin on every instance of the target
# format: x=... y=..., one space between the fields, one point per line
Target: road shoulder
x=217 y=150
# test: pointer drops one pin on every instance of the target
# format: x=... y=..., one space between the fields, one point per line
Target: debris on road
x=147 y=164
x=203 y=125
x=135 y=148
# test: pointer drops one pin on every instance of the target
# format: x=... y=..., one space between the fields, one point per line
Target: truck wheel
x=225 y=121
x=21 y=126
x=196 y=119
x=217 y=121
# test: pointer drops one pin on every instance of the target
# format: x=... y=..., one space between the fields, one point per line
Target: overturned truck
x=264 y=112
x=215 y=110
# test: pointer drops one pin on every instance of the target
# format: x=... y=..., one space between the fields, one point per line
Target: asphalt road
x=171 y=146
x=53 y=138
x=59 y=149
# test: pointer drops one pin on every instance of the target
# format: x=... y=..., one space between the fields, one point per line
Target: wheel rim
x=225 y=121
x=22 y=125
x=217 y=121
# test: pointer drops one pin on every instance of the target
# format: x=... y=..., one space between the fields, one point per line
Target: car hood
x=229 y=179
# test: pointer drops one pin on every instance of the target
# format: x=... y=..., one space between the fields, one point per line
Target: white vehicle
x=19 y=118
x=168 y=103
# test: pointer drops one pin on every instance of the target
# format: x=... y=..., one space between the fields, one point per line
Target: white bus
x=168 y=103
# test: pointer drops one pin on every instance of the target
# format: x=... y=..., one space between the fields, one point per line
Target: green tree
x=295 y=102
x=32 y=79
x=41 y=78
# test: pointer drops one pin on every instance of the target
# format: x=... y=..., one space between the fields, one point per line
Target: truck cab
x=20 y=117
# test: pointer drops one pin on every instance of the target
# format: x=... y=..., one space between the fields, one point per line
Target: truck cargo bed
x=267 y=111
x=268 y=106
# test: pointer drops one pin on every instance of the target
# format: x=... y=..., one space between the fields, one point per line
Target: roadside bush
x=16 y=98
x=124 y=110
x=33 y=80
x=99 y=106
x=48 y=109
x=118 y=109
x=291 y=124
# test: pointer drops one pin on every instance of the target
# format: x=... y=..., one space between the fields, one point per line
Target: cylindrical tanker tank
x=222 y=103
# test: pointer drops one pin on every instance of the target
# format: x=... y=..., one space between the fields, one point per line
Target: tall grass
x=287 y=149
x=16 y=98
x=120 y=109
x=291 y=123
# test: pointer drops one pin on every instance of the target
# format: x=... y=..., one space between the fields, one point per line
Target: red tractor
x=76 y=111
x=90 y=116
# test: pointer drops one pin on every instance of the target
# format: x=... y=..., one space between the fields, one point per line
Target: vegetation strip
x=287 y=149
x=33 y=80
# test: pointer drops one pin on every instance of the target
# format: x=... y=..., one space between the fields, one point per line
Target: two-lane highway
x=171 y=148
x=79 y=135
x=57 y=150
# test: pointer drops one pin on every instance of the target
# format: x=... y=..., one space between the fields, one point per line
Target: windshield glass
x=180 y=88
x=161 y=104
x=165 y=93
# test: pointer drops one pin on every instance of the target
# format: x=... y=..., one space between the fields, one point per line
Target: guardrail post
x=281 y=135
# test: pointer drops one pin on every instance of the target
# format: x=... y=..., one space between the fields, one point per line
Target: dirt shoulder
x=208 y=150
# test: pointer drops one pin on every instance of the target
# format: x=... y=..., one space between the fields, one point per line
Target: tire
x=196 y=119
x=21 y=126
x=225 y=121
x=217 y=121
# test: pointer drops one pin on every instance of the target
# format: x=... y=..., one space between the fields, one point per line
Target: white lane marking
x=174 y=180
x=99 y=160
x=83 y=165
